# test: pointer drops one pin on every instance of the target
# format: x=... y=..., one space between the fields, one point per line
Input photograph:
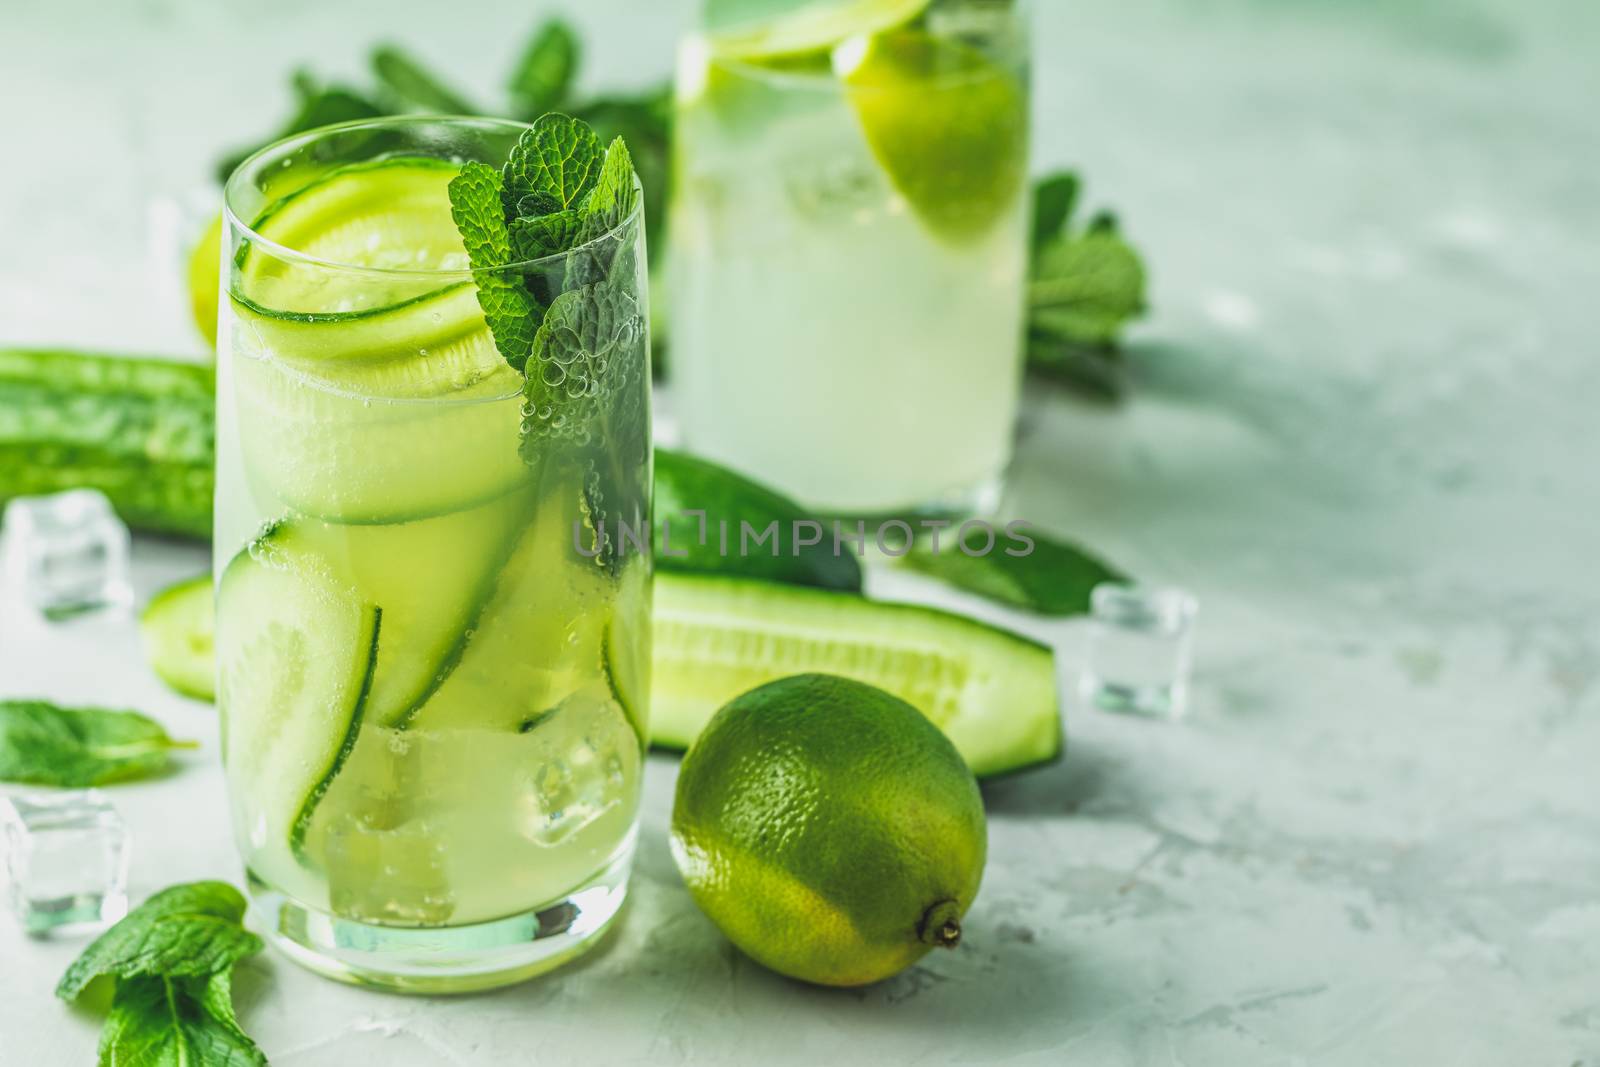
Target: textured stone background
x=1365 y=435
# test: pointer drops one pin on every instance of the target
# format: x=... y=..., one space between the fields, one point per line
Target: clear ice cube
x=66 y=861
x=835 y=189
x=579 y=770
x=1140 y=651
x=388 y=874
x=66 y=553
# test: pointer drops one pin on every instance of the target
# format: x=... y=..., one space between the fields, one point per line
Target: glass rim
x=270 y=247
x=1017 y=19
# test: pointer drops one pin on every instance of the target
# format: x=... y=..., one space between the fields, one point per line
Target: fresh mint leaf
x=1055 y=578
x=539 y=236
x=552 y=167
x=413 y=86
x=476 y=204
x=543 y=75
x=609 y=204
x=186 y=930
x=1085 y=289
x=1054 y=197
x=44 y=744
x=176 y=1022
x=614 y=196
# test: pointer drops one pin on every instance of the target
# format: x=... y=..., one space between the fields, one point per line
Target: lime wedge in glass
x=761 y=30
x=948 y=123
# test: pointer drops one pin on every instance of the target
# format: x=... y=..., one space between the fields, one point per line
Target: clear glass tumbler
x=432 y=676
x=849 y=255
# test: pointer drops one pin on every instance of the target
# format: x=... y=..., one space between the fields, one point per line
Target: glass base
x=443 y=959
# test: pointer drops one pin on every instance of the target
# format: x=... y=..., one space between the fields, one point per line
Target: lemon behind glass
x=829 y=829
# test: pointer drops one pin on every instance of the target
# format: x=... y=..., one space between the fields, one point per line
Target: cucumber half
x=296 y=650
x=178 y=629
x=992 y=692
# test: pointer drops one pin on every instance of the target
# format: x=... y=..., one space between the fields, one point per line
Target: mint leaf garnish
x=184 y=1022
x=1056 y=578
x=544 y=235
x=191 y=929
x=44 y=744
x=614 y=195
x=552 y=166
x=171 y=958
x=508 y=307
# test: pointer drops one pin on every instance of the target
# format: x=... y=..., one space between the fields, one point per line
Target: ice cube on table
x=66 y=553
x=65 y=858
x=1140 y=650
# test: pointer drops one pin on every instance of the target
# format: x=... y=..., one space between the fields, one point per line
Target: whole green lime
x=830 y=830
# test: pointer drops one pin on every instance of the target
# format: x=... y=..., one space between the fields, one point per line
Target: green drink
x=849 y=235
x=433 y=670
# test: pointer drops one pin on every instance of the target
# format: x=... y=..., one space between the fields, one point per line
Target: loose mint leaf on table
x=510 y=310
x=552 y=166
x=44 y=744
x=414 y=86
x=176 y=1022
x=171 y=958
x=186 y=930
x=1056 y=578
x=543 y=75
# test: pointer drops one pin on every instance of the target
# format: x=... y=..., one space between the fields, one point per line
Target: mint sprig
x=171 y=959
x=552 y=167
x=44 y=744
x=1086 y=284
x=559 y=188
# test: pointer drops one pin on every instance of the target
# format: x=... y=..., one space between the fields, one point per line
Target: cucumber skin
x=1047 y=745
x=139 y=429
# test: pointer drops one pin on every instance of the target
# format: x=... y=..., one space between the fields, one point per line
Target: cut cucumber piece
x=179 y=631
x=389 y=214
x=296 y=652
x=350 y=458
x=627 y=646
x=330 y=363
x=992 y=692
x=431 y=578
x=537 y=639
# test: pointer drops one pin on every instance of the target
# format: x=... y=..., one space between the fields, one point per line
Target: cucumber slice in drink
x=178 y=628
x=992 y=692
x=297 y=650
x=431 y=579
x=333 y=363
x=535 y=640
x=389 y=215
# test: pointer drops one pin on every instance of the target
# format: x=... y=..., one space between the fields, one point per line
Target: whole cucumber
x=141 y=430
